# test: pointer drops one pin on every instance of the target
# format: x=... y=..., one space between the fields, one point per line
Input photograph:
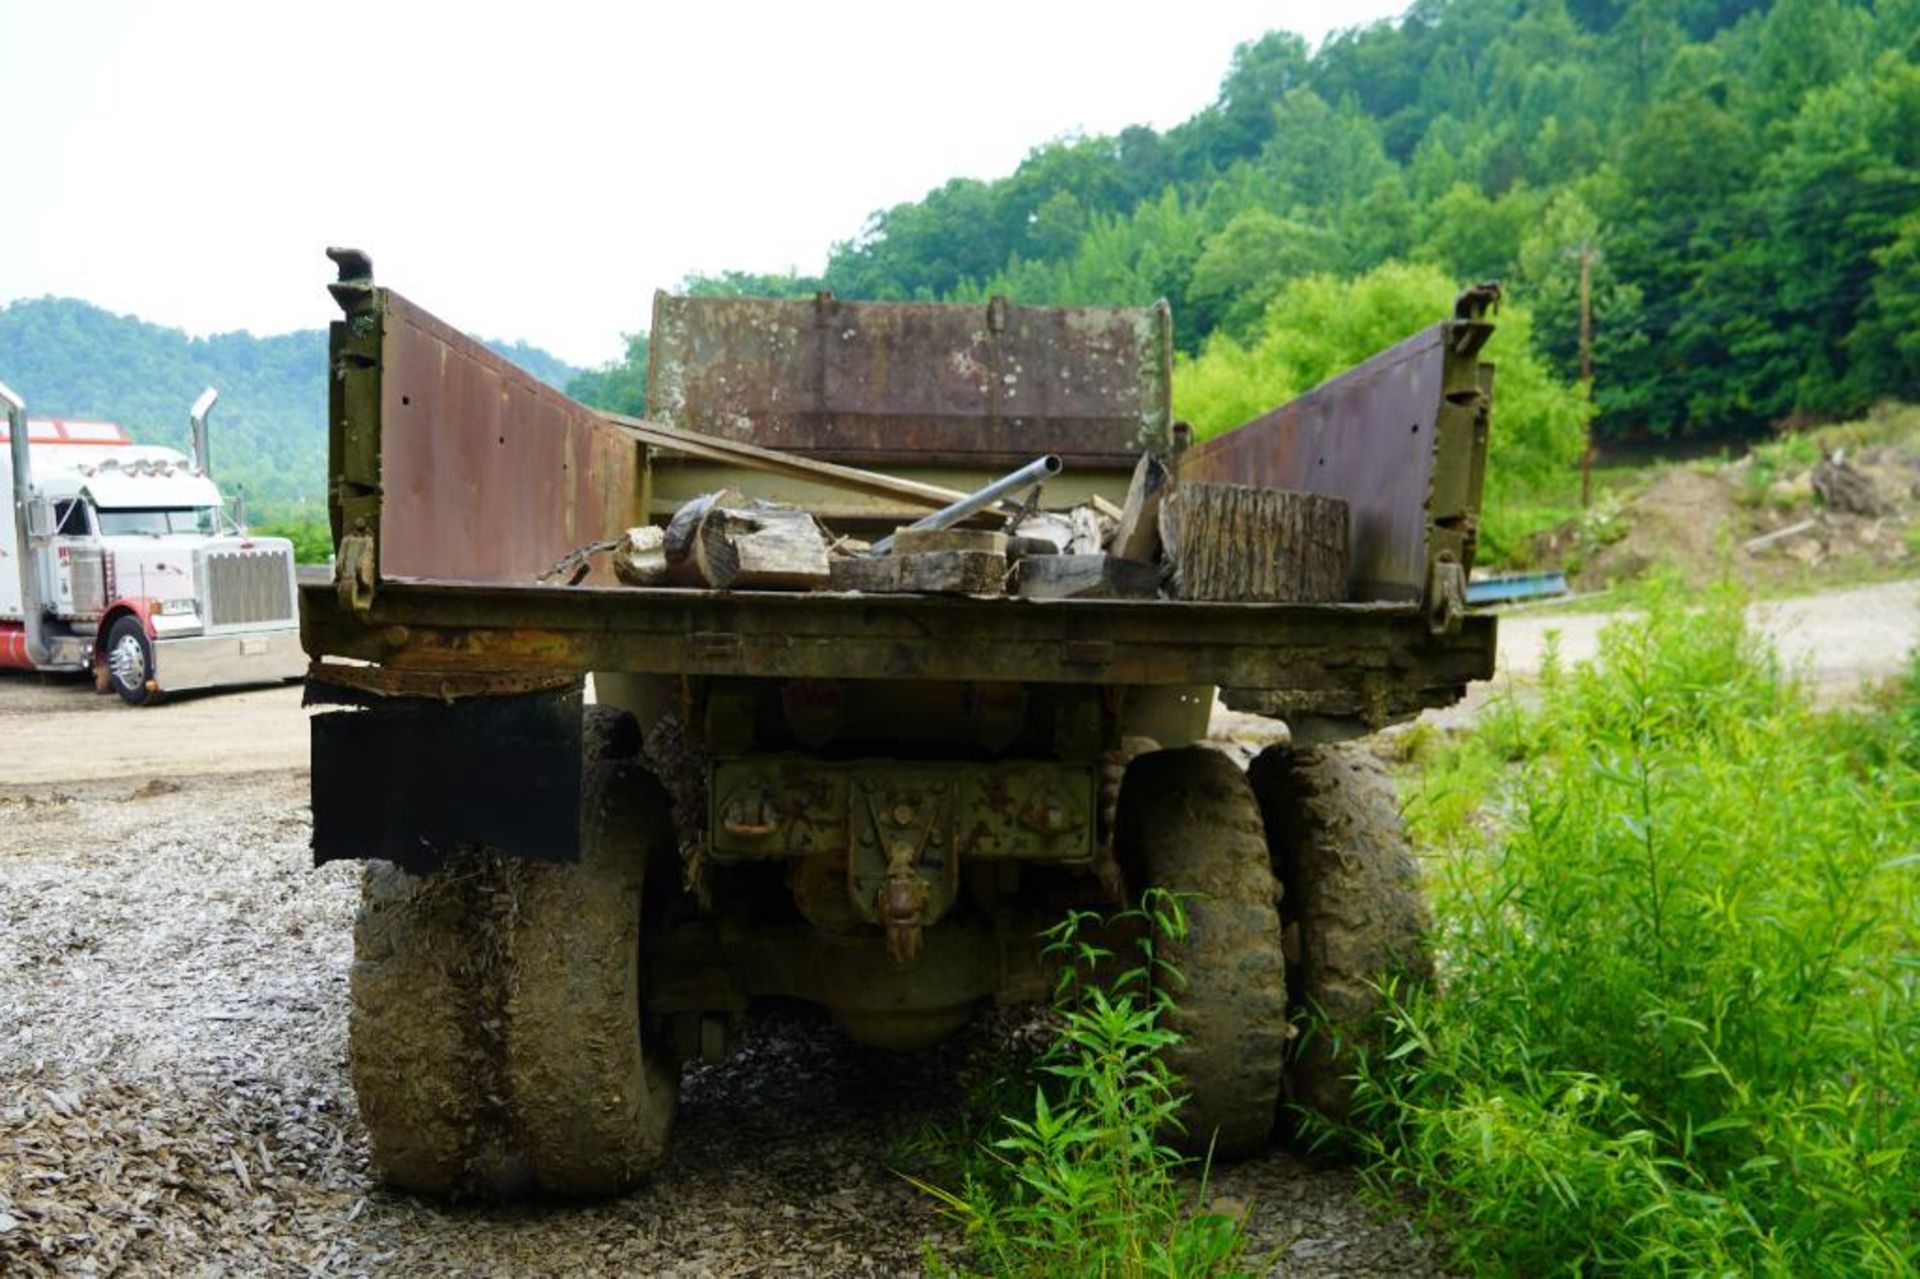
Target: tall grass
x=1082 y=1183
x=1679 y=1029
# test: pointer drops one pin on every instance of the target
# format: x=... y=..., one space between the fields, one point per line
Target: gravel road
x=173 y=1090
x=1839 y=638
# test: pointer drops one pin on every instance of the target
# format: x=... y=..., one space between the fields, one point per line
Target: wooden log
x=1756 y=545
x=1138 y=535
x=1236 y=542
x=1051 y=527
x=928 y=573
x=1090 y=531
x=911 y=541
x=1086 y=577
x=723 y=541
x=640 y=556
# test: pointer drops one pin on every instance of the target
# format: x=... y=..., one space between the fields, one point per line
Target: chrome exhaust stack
x=32 y=605
x=202 y=461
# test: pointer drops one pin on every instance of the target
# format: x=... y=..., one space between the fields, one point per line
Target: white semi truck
x=119 y=559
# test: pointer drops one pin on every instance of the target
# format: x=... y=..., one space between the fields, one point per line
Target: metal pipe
x=202 y=462
x=32 y=606
x=1034 y=472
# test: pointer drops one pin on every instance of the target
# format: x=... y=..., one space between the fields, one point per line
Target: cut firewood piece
x=1235 y=542
x=928 y=573
x=724 y=541
x=640 y=556
x=910 y=541
x=1046 y=526
x=1090 y=531
x=1138 y=535
x=1086 y=577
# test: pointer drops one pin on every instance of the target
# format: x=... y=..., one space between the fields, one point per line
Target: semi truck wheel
x=1189 y=824
x=1352 y=905
x=495 y=1037
x=129 y=660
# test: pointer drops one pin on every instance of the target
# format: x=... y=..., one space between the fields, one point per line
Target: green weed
x=1679 y=921
x=1082 y=1183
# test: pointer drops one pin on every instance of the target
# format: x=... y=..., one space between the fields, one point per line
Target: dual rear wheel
x=1303 y=858
x=496 y=1035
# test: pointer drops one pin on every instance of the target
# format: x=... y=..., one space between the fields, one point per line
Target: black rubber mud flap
x=411 y=780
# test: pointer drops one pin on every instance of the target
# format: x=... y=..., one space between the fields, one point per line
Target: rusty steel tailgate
x=921 y=383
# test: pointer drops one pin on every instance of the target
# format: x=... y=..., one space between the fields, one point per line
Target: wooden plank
x=1138 y=535
x=712 y=448
x=1242 y=543
x=929 y=573
x=910 y=541
x=1086 y=577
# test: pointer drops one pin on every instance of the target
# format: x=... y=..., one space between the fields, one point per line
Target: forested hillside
x=71 y=359
x=1741 y=179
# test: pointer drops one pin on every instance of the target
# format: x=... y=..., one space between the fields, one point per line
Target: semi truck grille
x=248 y=586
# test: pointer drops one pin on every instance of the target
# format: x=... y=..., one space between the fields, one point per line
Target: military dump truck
x=603 y=822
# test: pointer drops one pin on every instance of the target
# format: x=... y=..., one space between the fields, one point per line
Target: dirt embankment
x=1767 y=521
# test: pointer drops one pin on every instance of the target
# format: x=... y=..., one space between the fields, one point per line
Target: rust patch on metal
x=337 y=682
x=487 y=474
x=922 y=383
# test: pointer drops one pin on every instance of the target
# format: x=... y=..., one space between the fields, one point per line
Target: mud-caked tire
x=495 y=1032
x=417 y=1069
x=593 y=1099
x=1188 y=823
x=1352 y=907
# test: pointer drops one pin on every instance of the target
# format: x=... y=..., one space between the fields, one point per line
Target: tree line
x=1737 y=181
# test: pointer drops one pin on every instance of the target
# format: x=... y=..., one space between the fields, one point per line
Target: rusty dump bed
x=457 y=478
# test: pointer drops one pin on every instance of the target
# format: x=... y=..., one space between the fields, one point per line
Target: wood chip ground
x=173 y=1095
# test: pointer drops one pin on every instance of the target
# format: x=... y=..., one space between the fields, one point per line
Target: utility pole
x=1585 y=251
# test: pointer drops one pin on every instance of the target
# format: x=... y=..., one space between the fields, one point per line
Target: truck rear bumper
x=1370 y=663
x=247 y=657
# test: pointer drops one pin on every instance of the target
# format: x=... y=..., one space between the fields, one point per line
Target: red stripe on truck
x=13 y=646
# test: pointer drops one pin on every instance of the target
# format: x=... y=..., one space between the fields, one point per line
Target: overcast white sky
x=536 y=170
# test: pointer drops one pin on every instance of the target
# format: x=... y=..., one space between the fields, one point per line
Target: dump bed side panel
x=482 y=473
x=1402 y=437
x=915 y=383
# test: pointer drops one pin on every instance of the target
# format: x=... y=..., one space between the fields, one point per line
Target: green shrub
x=1083 y=1184
x=1678 y=917
x=312 y=539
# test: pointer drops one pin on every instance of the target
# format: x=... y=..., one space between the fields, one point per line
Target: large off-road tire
x=417 y=1068
x=495 y=1036
x=1352 y=906
x=1188 y=823
x=592 y=1098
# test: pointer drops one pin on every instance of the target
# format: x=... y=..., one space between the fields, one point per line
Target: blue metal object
x=1505 y=588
